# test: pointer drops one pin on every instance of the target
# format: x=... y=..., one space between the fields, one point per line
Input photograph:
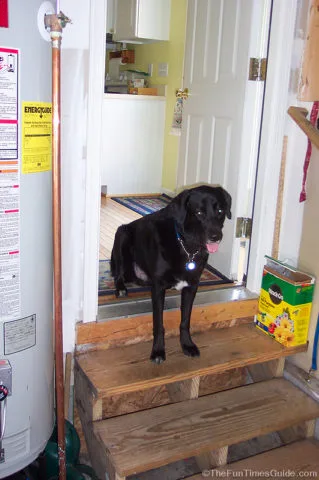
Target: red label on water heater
x=4 y=16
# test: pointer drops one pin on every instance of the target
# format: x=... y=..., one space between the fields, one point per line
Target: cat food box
x=285 y=303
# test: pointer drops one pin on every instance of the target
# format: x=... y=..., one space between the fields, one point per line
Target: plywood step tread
x=227 y=307
x=144 y=440
x=298 y=457
x=128 y=369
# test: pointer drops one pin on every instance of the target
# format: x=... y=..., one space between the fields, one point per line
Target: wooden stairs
x=138 y=416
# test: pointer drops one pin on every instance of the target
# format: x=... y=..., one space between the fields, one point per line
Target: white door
x=222 y=115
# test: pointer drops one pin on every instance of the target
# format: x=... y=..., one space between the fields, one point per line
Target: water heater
x=26 y=325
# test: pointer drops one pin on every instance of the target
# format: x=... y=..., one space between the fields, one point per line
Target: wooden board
x=308 y=86
x=127 y=369
x=267 y=371
x=280 y=196
x=89 y=408
x=135 y=401
x=298 y=457
x=79 y=430
x=236 y=377
x=139 y=442
x=140 y=328
x=299 y=114
x=164 y=394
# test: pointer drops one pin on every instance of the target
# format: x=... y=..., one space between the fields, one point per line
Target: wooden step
x=298 y=457
x=238 y=308
x=128 y=369
x=145 y=440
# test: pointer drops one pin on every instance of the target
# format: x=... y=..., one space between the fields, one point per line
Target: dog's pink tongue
x=212 y=247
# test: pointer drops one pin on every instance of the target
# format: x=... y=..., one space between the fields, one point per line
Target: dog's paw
x=158 y=356
x=121 y=293
x=191 y=350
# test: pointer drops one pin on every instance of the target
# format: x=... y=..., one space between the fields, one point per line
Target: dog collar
x=191 y=264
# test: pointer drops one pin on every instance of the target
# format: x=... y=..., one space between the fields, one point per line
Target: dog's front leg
x=158 y=350
x=188 y=346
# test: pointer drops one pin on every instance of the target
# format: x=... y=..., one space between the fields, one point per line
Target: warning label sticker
x=8 y=103
x=19 y=334
x=9 y=186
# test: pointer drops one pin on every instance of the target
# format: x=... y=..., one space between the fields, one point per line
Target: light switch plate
x=163 y=69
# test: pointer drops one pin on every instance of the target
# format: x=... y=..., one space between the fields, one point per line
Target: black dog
x=169 y=249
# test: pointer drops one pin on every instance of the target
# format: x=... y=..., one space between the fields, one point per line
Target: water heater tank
x=26 y=325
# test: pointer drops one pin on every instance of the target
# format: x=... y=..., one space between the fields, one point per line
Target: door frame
x=98 y=9
x=276 y=97
x=272 y=135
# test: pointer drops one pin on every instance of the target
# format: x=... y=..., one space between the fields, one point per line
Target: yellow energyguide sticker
x=36 y=137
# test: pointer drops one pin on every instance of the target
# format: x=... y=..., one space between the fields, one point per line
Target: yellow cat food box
x=285 y=303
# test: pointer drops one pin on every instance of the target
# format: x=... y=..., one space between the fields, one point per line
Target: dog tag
x=190 y=266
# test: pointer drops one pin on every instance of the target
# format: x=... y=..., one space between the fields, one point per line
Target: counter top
x=123 y=96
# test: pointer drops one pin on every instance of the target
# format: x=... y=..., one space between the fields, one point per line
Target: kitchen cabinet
x=132 y=145
x=141 y=21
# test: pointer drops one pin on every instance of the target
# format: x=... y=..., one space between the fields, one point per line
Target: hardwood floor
x=112 y=216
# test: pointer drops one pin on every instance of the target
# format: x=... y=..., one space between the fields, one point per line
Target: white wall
x=298 y=241
x=299 y=228
x=292 y=215
x=74 y=92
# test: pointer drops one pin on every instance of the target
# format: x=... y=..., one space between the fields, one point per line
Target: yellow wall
x=171 y=52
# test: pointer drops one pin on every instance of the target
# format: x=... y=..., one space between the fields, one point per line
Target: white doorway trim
x=93 y=158
x=274 y=121
x=272 y=134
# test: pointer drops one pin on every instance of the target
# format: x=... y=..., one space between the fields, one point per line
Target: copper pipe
x=56 y=33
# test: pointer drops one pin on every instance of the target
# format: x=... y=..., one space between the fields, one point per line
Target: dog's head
x=201 y=212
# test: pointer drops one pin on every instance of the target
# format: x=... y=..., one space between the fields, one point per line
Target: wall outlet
x=163 y=69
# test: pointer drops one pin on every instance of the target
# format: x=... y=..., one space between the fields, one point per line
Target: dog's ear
x=179 y=204
x=227 y=198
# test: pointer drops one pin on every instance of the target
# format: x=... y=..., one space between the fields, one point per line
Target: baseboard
x=170 y=193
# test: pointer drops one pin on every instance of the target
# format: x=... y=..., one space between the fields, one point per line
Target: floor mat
x=144 y=205
x=210 y=276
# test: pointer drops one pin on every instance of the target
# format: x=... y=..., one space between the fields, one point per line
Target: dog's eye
x=220 y=211
x=199 y=212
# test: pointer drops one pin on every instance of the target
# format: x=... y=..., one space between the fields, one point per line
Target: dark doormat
x=144 y=205
x=209 y=277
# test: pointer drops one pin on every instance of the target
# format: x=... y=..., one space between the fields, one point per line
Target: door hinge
x=257 y=69
x=243 y=227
